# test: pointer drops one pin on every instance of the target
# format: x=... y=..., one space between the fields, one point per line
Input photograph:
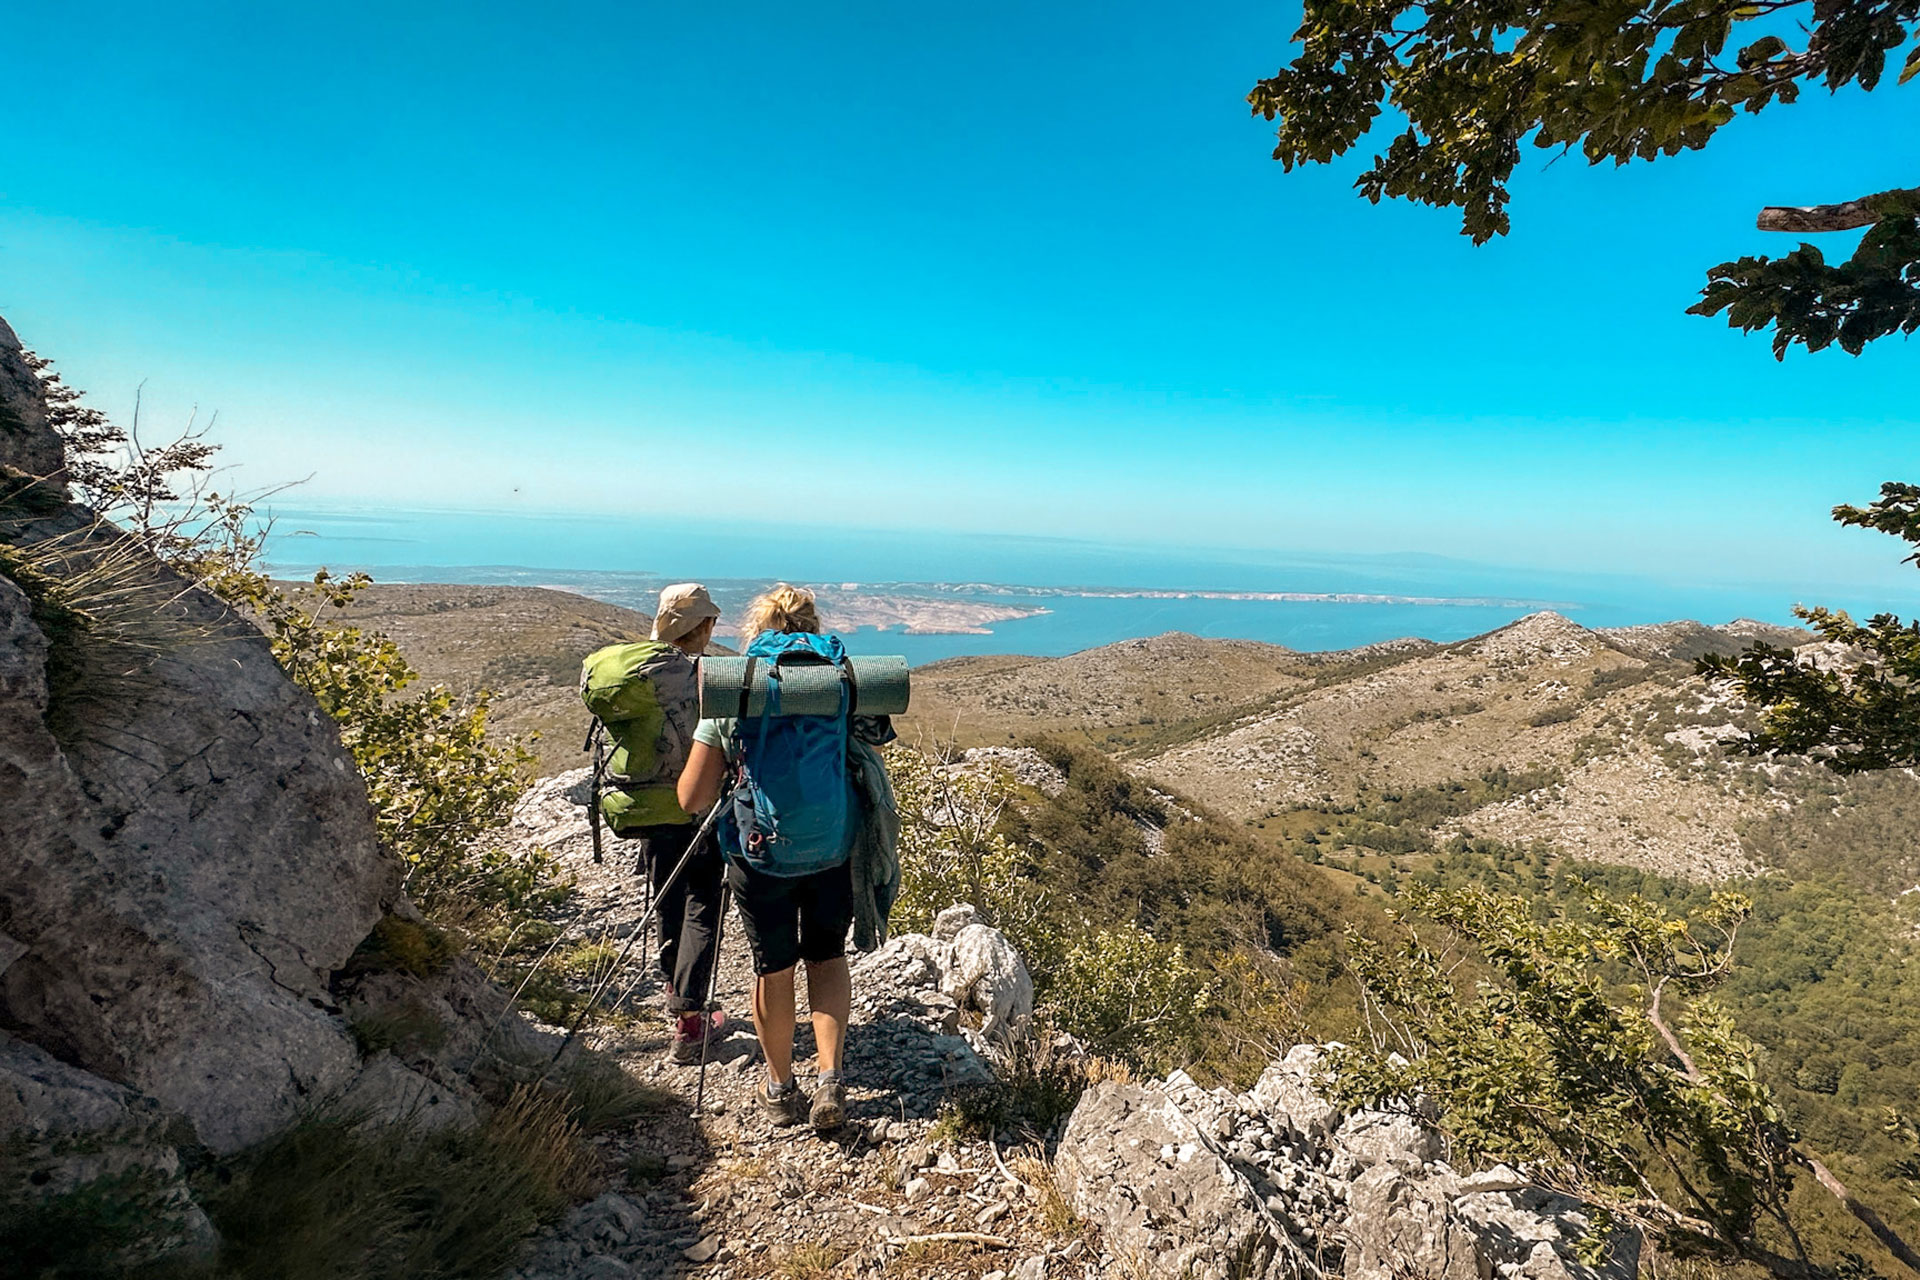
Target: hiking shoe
x=786 y=1106
x=693 y=1033
x=829 y=1103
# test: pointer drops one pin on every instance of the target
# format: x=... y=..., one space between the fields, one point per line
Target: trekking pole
x=593 y=997
x=645 y=868
x=713 y=986
x=593 y=791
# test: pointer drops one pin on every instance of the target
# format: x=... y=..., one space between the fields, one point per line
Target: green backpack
x=645 y=704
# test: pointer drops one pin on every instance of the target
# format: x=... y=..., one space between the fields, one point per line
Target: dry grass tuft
x=334 y=1200
x=600 y=1095
x=810 y=1261
x=934 y=1260
x=1056 y=1216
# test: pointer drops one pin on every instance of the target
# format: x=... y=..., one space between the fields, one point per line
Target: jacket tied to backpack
x=645 y=702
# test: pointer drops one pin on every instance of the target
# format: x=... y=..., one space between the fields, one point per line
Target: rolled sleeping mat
x=876 y=686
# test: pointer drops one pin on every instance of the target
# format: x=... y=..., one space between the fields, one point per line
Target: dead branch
x=1808 y=219
x=1872 y=1221
x=1673 y=1041
x=955 y=1237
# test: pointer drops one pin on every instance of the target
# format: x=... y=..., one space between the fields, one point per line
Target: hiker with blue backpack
x=788 y=826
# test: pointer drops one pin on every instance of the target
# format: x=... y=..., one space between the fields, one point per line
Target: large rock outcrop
x=188 y=851
x=1279 y=1182
x=27 y=444
x=964 y=968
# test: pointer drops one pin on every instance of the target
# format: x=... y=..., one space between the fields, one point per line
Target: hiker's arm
x=700 y=780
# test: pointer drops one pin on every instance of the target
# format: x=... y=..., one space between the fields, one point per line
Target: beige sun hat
x=683 y=606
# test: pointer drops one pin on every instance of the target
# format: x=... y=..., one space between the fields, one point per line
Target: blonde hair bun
x=783 y=608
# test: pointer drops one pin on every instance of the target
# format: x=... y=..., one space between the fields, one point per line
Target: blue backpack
x=792 y=812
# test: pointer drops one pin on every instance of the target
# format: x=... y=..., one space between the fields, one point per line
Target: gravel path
x=728 y=1194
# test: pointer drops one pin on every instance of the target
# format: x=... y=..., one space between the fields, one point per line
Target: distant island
x=850 y=609
x=855 y=591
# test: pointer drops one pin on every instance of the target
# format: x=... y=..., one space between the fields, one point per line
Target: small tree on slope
x=1856 y=715
x=1595 y=1056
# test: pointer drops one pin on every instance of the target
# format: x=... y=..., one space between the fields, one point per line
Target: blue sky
x=1025 y=269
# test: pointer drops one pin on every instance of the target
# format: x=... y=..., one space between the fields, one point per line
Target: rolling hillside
x=1598 y=745
x=523 y=643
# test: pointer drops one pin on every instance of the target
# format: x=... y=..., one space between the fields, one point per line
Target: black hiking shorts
x=793 y=918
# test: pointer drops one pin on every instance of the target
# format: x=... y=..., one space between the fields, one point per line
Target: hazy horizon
x=1080 y=585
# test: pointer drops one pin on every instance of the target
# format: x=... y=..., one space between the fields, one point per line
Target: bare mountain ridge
x=1166 y=679
x=1617 y=735
x=1623 y=738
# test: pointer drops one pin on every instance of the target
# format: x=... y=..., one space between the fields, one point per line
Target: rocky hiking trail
x=1152 y=1178
x=725 y=1192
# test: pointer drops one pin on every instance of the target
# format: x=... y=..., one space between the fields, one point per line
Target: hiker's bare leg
x=830 y=997
x=773 y=1022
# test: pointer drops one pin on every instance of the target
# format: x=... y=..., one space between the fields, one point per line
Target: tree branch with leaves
x=1475 y=81
x=1858 y=707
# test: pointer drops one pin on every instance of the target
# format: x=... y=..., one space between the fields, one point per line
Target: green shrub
x=408 y=1028
x=953 y=850
x=1123 y=940
x=1124 y=993
x=401 y=946
x=1590 y=1049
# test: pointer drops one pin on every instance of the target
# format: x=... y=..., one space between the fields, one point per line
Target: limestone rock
x=198 y=857
x=1398 y=1222
x=1132 y=1162
x=985 y=973
x=1368 y=1138
x=1026 y=766
x=62 y=1128
x=1529 y=1231
x=1175 y=1173
x=1285 y=1091
x=948 y=924
x=963 y=966
x=907 y=962
x=27 y=443
x=388 y=1093
x=1397 y=1226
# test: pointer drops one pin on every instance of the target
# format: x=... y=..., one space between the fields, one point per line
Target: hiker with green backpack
x=645 y=701
x=788 y=825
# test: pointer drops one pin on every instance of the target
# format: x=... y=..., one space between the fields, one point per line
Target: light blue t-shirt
x=717 y=733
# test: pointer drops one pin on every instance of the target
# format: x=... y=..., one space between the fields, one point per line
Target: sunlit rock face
x=188 y=851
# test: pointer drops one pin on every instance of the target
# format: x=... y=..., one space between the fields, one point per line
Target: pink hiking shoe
x=694 y=1031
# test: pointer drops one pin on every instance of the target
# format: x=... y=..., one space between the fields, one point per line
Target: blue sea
x=626 y=561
